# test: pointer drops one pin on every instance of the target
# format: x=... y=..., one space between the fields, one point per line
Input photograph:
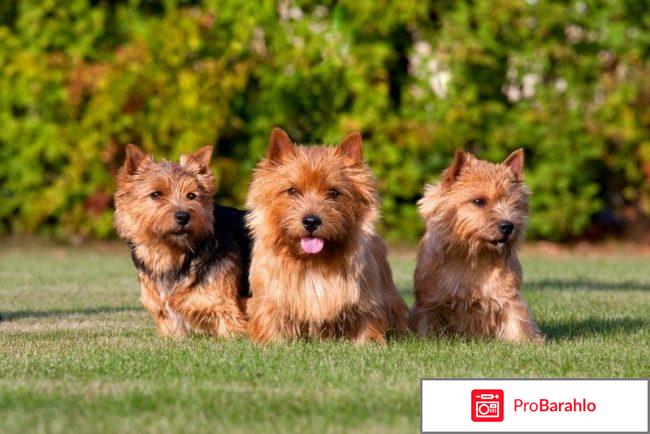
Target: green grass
x=79 y=354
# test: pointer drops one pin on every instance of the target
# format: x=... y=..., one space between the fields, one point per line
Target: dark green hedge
x=567 y=80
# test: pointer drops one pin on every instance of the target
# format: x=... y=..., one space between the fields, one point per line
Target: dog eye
x=479 y=201
x=292 y=191
x=155 y=195
x=333 y=193
x=191 y=196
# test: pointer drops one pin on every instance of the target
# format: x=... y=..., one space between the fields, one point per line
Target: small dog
x=468 y=277
x=192 y=256
x=319 y=270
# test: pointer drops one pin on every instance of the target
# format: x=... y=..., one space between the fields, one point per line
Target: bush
x=566 y=80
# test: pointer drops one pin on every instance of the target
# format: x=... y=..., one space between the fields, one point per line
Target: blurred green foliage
x=567 y=80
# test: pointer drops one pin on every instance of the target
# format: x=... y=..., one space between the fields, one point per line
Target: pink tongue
x=312 y=245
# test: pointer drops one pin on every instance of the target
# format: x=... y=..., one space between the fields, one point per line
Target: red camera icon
x=487 y=405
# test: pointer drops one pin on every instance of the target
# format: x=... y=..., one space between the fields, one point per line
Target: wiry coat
x=345 y=291
x=468 y=280
x=191 y=281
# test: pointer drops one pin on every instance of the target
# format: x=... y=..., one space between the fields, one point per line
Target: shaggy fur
x=468 y=276
x=345 y=290
x=193 y=277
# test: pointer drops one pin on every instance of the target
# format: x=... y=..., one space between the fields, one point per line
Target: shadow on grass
x=586 y=284
x=591 y=327
x=8 y=316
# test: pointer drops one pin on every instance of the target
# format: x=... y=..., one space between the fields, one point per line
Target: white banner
x=534 y=405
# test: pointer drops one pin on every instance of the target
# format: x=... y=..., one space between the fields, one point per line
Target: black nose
x=182 y=217
x=506 y=227
x=311 y=222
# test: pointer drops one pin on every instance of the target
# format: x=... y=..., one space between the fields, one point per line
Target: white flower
x=296 y=13
x=574 y=33
x=289 y=13
x=422 y=48
x=512 y=92
x=321 y=11
x=439 y=83
x=258 y=44
x=529 y=81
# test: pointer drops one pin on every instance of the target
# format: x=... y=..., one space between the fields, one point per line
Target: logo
x=487 y=405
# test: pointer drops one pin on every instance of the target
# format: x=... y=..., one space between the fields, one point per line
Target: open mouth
x=179 y=233
x=500 y=242
x=312 y=245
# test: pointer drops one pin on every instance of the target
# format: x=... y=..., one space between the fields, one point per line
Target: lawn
x=79 y=354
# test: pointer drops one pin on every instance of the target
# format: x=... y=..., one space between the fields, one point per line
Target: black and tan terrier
x=319 y=269
x=468 y=277
x=192 y=256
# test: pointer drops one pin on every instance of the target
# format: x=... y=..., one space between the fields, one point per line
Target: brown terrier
x=192 y=256
x=468 y=277
x=319 y=270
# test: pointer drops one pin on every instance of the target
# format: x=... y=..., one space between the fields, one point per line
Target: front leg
x=166 y=324
x=211 y=310
x=267 y=324
x=428 y=320
x=370 y=330
x=517 y=324
x=172 y=325
x=419 y=321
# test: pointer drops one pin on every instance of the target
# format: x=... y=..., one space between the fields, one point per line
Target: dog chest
x=314 y=297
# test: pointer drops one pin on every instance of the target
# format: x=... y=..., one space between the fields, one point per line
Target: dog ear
x=280 y=145
x=198 y=161
x=134 y=159
x=352 y=147
x=451 y=173
x=515 y=162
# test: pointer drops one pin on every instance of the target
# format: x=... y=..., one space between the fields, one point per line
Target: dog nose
x=506 y=227
x=311 y=222
x=182 y=217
